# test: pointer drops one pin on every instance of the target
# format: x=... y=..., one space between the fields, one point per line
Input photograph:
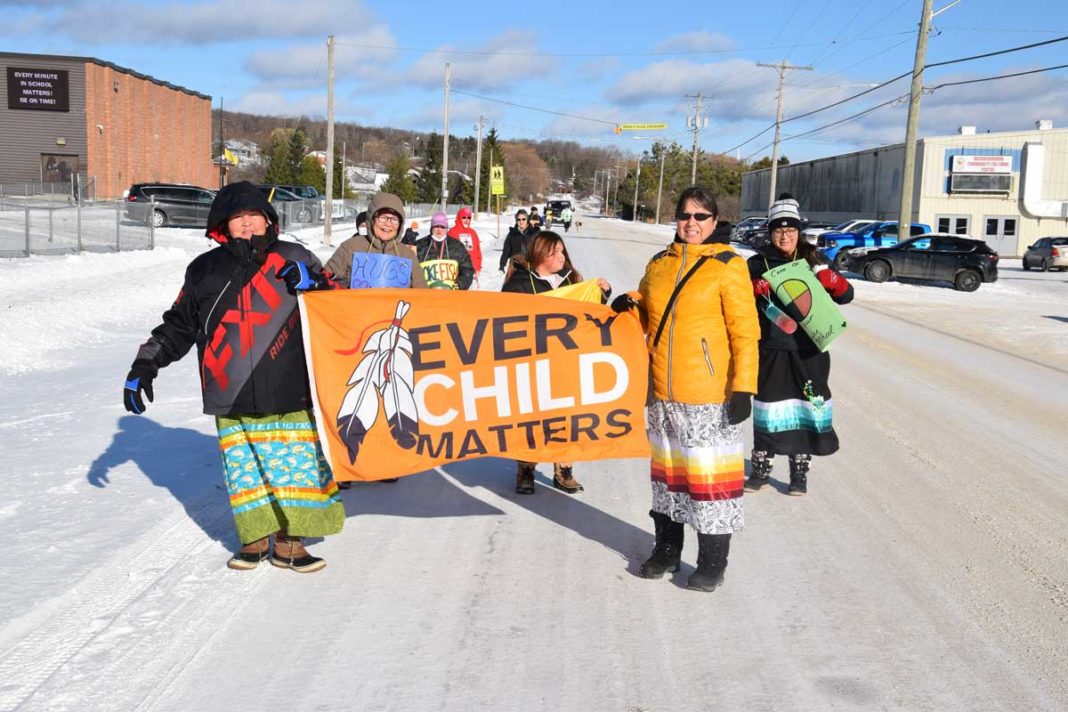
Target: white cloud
x=200 y=22
x=502 y=65
x=700 y=41
x=305 y=65
x=596 y=68
x=463 y=114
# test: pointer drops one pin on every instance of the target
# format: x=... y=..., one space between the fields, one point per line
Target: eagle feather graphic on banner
x=385 y=371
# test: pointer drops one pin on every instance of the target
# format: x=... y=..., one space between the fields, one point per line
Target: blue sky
x=613 y=62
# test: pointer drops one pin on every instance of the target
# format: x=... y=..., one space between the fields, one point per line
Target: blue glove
x=300 y=278
x=138 y=381
x=740 y=407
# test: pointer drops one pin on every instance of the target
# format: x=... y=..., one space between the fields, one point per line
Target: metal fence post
x=27 y=225
x=152 y=225
x=118 y=229
x=78 y=213
x=50 y=231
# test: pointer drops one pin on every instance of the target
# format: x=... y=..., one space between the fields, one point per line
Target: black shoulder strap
x=726 y=257
x=674 y=296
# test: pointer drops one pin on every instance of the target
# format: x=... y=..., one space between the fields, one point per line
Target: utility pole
x=615 y=193
x=478 y=165
x=445 y=149
x=489 y=193
x=607 y=182
x=696 y=134
x=909 y=167
x=328 y=213
x=637 y=179
x=783 y=67
x=660 y=187
x=344 y=149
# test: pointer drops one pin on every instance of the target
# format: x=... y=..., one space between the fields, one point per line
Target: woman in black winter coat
x=546 y=266
x=246 y=327
x=792 y=411
x=518 y=239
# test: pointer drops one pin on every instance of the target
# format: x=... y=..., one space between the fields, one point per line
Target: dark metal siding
x=25 y=135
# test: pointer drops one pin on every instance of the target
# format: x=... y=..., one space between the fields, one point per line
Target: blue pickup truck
x=838 y=246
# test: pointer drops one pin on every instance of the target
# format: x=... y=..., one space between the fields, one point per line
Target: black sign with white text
x=38 y=89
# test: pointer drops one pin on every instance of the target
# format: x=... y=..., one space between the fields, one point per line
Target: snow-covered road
x=926 y=570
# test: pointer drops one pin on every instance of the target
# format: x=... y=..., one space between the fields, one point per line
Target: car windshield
x=842 y=226
x=1059 y=241
x=868 y=229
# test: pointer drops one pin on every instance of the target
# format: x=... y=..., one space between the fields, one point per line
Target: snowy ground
x=926 y=570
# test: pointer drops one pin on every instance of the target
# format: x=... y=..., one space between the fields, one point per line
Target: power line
x=992 y=79
x=483 y=52
x=995 y=54
x=533 y=108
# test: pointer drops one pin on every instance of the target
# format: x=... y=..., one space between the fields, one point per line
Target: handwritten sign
x=38 y=89
x=372 y=269
x=806 y=301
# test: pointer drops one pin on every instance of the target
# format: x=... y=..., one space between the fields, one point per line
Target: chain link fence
x=50 y=219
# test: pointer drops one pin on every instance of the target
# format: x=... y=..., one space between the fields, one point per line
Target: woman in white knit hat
x=792 y=411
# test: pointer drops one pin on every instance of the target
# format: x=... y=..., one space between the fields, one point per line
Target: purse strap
x=674 y=296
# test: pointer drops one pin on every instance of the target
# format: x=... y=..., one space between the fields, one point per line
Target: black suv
x=965 y=262
x=557 y=208
x=162 y=204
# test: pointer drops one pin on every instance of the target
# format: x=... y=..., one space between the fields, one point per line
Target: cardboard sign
x=807 y=302
x=441 y=274
x=405 y=380
x=375 y=269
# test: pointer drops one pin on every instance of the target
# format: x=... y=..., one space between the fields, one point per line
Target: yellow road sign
x=496 y=180
x=642 y=127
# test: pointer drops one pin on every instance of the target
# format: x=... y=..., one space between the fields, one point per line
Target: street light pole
x=637 y=179
x=660 y=186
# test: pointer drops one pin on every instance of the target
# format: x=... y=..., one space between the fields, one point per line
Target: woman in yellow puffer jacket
x=696 y=302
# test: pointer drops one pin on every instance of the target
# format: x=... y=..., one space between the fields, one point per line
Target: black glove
x=301 y=278
x=740 y=407
x=138 y=380
x=624 y=302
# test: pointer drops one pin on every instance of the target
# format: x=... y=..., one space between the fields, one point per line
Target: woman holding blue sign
x=792 y=412
x=378 y=259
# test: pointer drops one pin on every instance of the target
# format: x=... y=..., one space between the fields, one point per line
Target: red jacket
x=469 y=237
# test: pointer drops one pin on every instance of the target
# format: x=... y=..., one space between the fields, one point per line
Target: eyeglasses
x=699 y=217
x=520 y=219
x=466 y=217
x=388 y=218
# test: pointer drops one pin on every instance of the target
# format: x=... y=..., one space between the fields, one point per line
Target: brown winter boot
x=524 y=477
x=250 y=555
x=289 y=553
x=563 y=480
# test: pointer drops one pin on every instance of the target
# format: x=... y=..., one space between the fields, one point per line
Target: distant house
x=319 y=156
x=247 y=152
x=365 y=179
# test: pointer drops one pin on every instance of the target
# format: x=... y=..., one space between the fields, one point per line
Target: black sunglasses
x=699 y=217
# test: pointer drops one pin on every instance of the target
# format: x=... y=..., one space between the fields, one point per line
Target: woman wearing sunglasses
x=793 y=401
x=696 y=304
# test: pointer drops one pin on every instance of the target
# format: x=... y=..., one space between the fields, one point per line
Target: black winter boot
x=799 y=474
x=668 y=550
x=711 y=562
x=760 y=472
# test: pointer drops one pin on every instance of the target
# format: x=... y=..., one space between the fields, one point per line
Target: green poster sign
x=807 y=302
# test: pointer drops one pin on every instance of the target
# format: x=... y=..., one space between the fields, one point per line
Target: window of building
x=953 y=224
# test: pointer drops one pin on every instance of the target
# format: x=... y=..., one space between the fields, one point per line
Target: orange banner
x=405 y=380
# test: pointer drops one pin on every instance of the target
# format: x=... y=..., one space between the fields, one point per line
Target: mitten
x=834 y=283
x=761 y=287
x=138 y=381
x=300 y=278
x=739 y=408
x=624 y=302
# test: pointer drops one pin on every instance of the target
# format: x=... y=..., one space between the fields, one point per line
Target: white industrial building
x=1009 y=188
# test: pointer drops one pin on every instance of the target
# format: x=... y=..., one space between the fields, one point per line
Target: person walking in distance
x=254 y=379
x=467 y=235
x=518 y=239
x=696 y=303
x=793 y=406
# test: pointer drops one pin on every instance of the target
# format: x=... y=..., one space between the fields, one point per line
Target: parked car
x=305 y=212
x=962 y=260
x=753 y=233
x=743 y=225
x=163 y=204
x=836 y=246
x=1046 y=253
x=304 y=192
x=814 y=230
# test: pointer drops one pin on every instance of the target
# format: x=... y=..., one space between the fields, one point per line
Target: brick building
x=109 y=125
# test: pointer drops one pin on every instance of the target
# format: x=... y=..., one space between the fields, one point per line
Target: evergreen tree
x=429 y=183
x=278 y=169
x=490 y=148
x=311 y=173
x=399 y=182
x=298 y=147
